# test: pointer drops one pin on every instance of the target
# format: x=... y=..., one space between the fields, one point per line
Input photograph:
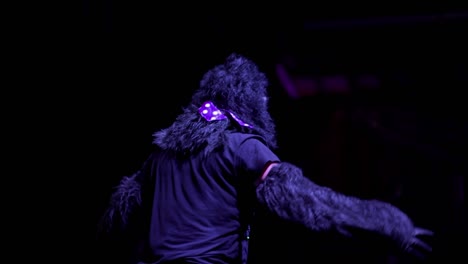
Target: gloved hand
x=417 y=245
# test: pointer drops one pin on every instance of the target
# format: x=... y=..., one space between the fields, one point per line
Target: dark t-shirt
x=196 y=215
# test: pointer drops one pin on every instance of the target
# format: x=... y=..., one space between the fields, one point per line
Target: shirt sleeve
x=254 y=156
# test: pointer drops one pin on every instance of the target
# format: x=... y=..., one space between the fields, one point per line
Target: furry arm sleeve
x=125 y=200
x=293 y=197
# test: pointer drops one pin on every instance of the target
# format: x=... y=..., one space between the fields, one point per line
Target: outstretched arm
x=293 y=197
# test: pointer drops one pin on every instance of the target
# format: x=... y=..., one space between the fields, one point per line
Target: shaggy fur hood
x=238 y=86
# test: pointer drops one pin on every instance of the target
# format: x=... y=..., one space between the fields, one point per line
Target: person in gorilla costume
x=193 y=199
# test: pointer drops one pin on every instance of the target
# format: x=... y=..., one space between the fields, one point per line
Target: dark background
x=113 y=72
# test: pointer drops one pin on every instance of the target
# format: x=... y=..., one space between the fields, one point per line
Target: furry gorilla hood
x=236 y=86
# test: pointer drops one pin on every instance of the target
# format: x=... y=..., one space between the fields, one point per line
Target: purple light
x=211 y=113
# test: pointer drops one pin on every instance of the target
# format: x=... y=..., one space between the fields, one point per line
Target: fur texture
x=125 y=200
x=236 y=85
x=295 y=198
